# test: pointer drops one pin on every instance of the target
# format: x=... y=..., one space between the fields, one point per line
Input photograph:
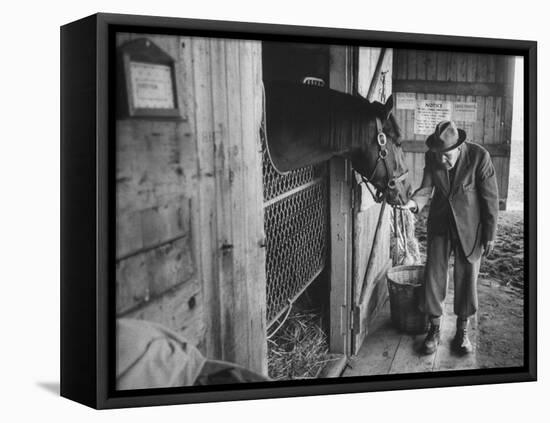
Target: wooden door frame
x=343 y=77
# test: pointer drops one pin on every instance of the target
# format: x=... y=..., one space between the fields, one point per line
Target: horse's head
x=381 y=160
x=307 y=125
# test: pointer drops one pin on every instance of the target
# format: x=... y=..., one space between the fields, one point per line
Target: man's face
x=449 y=158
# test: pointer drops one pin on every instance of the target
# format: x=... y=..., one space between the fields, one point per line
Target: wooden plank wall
x=481 y=78
x=365 y=220
x=189 y=204
x=366 y=211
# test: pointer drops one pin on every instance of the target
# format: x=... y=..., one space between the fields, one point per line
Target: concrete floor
x=388 y=351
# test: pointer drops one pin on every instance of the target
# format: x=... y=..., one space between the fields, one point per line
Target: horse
x=306 y=125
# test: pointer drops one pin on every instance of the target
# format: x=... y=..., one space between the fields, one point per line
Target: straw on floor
x=299 y=349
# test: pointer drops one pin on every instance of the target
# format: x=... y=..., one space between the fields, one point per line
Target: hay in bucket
x=404 y=246
x=299 y=349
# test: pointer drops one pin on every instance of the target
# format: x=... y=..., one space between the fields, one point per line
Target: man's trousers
x=440 y=247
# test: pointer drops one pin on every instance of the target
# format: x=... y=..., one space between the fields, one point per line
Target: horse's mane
x=394 y=129
x=306 y=125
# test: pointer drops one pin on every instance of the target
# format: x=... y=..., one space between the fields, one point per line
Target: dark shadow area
x=51 y=387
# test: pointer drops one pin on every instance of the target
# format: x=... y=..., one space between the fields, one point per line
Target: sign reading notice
x=429 y=113
x=464 y=111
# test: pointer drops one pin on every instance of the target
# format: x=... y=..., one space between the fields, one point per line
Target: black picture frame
x=87 y=218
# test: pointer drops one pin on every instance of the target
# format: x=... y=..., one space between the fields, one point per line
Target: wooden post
x=341 y=254
x=228 y=95
x=506 y=126
x=342 y=78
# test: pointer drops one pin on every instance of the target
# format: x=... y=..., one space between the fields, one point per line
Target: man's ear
x=388 y=107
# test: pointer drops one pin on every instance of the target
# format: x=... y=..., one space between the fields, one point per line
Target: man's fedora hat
x=446 y=137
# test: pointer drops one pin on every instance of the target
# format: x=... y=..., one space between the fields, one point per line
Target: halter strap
x=379 y=125
x=382 y=154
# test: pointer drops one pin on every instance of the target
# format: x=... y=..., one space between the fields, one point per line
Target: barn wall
x=189 y=204
x=484 y=79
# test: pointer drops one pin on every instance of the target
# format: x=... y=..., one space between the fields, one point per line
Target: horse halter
x=382 y=155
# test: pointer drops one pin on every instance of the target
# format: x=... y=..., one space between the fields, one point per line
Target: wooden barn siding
x=366 y=218
x=484 y=74
x=156 y=268
x=366 y=211
x=189 y=204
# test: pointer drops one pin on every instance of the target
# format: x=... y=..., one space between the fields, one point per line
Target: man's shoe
x=461 y=344
x=432 y=339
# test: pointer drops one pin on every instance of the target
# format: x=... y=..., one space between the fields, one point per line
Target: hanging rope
x=403 y=233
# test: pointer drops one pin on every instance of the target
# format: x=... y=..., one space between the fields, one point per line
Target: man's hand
x=488 y=248
x=410 y=205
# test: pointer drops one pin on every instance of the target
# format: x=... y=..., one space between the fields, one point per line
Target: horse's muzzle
x=398 y=190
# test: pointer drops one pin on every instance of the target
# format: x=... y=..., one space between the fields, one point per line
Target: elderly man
x=459 y=177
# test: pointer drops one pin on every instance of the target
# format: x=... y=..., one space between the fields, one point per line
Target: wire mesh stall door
x=296 y=223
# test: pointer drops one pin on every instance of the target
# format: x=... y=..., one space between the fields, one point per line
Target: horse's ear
x=388 y=107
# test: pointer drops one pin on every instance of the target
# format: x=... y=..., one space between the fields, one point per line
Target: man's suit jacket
x=472 y=199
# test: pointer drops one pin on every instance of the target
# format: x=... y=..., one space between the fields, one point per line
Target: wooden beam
x=376 y=76
x=495 y=150
x=448 y=87
x=342 y=78
x=206 y=233
x=411 y=146
x=335 y=367
x=341 y=250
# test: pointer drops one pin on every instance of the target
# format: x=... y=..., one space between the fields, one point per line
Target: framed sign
x=149 y=87
x=238 y=211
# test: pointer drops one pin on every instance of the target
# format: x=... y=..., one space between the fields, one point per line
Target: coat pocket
x=469 y=186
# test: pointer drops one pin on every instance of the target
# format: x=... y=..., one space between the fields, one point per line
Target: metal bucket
x=404 y=286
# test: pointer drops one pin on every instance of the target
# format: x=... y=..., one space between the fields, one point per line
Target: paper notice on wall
x=428 y=113
x=405 y=101
x=151 y=86
x=464 y=111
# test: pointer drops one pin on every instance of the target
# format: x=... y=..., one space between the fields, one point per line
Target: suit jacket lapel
x=462 y=167
x=442 y=175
